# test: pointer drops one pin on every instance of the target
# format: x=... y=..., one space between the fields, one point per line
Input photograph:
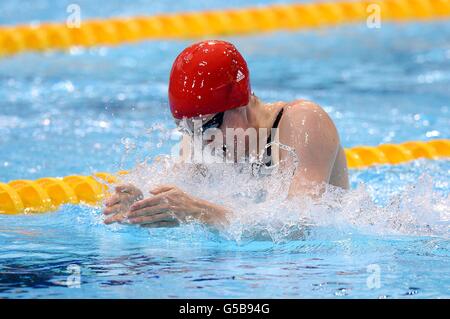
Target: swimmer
x=209 y=88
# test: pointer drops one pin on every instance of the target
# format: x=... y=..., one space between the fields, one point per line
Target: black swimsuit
x=269 y=139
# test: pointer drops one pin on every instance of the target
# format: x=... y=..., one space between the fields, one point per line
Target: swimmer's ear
x=161 y=189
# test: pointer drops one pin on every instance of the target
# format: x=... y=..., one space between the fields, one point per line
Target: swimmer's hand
x=169 y=206
x=119 y=203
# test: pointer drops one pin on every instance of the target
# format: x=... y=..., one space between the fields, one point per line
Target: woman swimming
x=209 y=91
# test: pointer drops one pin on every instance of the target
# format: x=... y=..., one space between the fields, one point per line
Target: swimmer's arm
x=169 y=205
x=315 y=138
x=120 y=202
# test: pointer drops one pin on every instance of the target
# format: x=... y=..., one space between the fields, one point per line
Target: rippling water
x=72 y=113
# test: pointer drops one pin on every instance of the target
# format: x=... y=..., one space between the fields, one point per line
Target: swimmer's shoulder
x=303 y=106
x=302 y=111
x=304 y=115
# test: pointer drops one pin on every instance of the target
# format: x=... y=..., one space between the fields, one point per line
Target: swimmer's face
x=236 y=120
x=231 y=119
x=200 y=124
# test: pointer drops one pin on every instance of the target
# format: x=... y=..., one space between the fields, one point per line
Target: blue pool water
x=73 y=113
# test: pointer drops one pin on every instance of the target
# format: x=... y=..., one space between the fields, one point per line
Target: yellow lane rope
x=114 y=31
x=46 y=194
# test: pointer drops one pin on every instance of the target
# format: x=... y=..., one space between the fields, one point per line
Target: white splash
x=261 y=209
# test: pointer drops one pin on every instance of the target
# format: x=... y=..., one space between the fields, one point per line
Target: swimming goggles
x=215 y=122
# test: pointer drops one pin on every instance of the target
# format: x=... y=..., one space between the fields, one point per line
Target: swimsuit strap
x=269 y=139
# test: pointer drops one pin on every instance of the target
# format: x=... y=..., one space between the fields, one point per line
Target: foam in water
x=261 y=209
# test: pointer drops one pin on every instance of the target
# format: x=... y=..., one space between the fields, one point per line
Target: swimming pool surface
x=104 y=109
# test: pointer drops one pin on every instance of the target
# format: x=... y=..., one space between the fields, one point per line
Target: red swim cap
x=206 y=78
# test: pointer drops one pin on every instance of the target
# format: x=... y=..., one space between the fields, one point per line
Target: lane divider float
x=187 y=25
